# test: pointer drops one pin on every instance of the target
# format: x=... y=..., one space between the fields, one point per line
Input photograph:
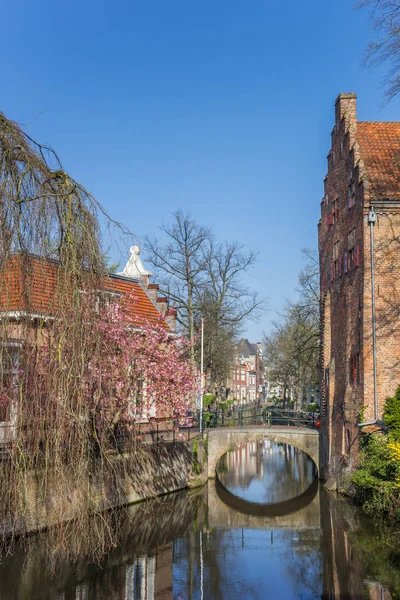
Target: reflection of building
x=266 y=471
x=245 y=463
x=148 y=577
x=343 y=568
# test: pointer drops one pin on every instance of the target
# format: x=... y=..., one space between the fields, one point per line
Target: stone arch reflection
x=266 y=472
x=279 y=509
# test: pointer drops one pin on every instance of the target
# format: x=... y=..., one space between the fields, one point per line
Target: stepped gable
x=245 y=348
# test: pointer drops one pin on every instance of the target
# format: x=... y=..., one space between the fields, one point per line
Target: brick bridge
x=222 y=439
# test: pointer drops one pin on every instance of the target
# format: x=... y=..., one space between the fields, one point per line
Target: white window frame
x=7 y=428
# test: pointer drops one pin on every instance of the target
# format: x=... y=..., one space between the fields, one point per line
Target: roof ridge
x=379 y=122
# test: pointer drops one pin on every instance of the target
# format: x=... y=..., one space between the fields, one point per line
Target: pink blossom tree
x=131 y=371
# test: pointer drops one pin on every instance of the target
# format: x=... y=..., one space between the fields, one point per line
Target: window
x=351 y=248
x=102 y=298
x=351 y=239
x=9 y=372
x=337 y=271
x=351 y=194
x=105 y=298
x=335 y=211
x=355 y=367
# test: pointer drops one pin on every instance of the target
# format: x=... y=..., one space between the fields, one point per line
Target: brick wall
x=341 y=286
x=346 y=314
x=387 y=301
x=160 y=470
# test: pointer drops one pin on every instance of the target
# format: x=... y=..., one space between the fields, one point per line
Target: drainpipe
x=371 y=220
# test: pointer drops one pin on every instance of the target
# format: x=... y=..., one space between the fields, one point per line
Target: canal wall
x=152 y=472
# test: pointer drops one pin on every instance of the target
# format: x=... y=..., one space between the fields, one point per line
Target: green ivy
x=196 y=465
x=392 y=415
x=205 y=447
x=208 y=399
x=377 y=477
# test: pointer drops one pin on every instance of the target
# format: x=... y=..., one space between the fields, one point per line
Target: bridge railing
x=269 y=417
x=188 y=429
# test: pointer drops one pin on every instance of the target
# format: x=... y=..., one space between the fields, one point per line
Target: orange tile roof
x=380 y=150
x=137 y=302
x=29 y=283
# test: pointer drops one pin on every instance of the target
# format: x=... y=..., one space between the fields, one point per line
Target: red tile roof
x=137 y=302
x=380 y=150
x=29 y=283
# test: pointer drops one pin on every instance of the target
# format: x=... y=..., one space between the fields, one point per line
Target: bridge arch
x=224 y=439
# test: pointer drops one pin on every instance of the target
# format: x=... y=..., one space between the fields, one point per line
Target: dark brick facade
x=363 y=171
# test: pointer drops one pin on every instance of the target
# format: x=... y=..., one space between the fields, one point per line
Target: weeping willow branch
x=52 y=269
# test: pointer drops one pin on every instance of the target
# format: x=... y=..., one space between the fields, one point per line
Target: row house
x=246 y=383
x=359 y=253
x=28 y=304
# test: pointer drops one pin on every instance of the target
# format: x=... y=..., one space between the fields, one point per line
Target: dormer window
x=105 y=298
x=102 y=298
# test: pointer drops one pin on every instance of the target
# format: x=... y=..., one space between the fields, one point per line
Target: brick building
x=29 y=303
x=363 y=172
x=246 y=375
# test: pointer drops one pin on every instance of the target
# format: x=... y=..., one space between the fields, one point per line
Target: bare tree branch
x=384 y=18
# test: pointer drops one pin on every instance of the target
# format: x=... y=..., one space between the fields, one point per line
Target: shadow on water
x=277 y=509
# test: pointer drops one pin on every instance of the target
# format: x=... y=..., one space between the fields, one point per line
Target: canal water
x=264 y=530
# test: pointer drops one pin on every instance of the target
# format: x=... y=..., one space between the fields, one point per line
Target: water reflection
x=191 y=546
x=266 y=472
x=140 y=568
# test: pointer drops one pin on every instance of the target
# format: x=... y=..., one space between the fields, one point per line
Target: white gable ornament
x=135 y=268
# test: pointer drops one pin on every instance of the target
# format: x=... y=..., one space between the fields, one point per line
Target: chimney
x=170 y=317
x=162 y=305
x=346 y=107
x=152 y=291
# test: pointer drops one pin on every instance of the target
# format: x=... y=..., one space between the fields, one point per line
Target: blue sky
x=222 y=109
